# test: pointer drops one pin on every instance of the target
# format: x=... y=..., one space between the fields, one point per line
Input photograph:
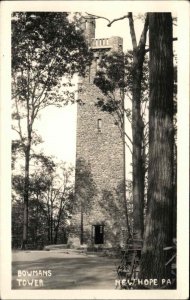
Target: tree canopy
x=46 y=47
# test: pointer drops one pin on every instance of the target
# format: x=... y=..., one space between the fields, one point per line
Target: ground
x=68 y=270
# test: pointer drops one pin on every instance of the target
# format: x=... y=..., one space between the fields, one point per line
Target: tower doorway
x=98 y=234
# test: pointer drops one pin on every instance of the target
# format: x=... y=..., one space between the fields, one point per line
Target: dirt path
x=62 y=269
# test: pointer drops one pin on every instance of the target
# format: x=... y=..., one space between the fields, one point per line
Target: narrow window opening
x=99 y=125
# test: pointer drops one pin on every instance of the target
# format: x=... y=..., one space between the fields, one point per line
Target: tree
x=45 y=47
x=137 y=127
x=51 y=199
x=158 y=230
x=42 y=167
x=42 y=170
x=58 y=199
x=115 y=78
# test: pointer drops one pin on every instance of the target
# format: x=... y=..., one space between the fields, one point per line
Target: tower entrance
x=98 y=234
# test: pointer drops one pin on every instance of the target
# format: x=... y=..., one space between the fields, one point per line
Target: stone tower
x=99 y=214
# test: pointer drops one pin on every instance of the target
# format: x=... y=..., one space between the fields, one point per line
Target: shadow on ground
x=68 y=270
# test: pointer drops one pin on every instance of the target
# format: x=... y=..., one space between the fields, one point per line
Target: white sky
x=57 y=126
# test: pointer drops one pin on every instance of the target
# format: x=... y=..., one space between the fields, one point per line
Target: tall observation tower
x=99 y=218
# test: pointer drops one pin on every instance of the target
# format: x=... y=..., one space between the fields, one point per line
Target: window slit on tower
x=99 y=124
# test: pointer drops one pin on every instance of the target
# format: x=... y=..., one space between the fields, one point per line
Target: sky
x=57 y=126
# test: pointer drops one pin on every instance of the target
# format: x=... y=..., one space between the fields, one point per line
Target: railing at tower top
x=100 y=43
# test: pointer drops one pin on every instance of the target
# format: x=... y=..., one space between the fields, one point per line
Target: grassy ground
x=69 y=270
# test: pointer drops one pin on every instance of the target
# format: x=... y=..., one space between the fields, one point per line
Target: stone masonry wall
x=102 y=151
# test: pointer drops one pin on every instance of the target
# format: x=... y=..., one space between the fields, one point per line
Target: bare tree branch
x=117 y=19
x=128 y=147
x=132 y=31
x=143 y=34
x=128 y=138
x=109 y=21
x=96 y=17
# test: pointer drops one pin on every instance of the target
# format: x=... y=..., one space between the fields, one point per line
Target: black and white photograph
x=94 y=154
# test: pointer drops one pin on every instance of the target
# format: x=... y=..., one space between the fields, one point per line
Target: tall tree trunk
x=56 y=234
x=158 y=230
x=129 y=233
x=37 y=221
x=26 y=193
x=51 y=221
x=58 y=223
x=137 y=129
x=175 y=192
x=137 y=160
x=81 y=228
x=48 y=220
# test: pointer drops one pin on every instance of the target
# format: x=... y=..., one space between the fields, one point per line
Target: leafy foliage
x=51 y=201
x=121 y=78
x=48 y=42
x=111 y=73
x=45 y=47
x=115 y=80
x=47 y=50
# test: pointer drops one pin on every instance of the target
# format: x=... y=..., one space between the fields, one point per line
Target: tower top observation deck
x=114 y=43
